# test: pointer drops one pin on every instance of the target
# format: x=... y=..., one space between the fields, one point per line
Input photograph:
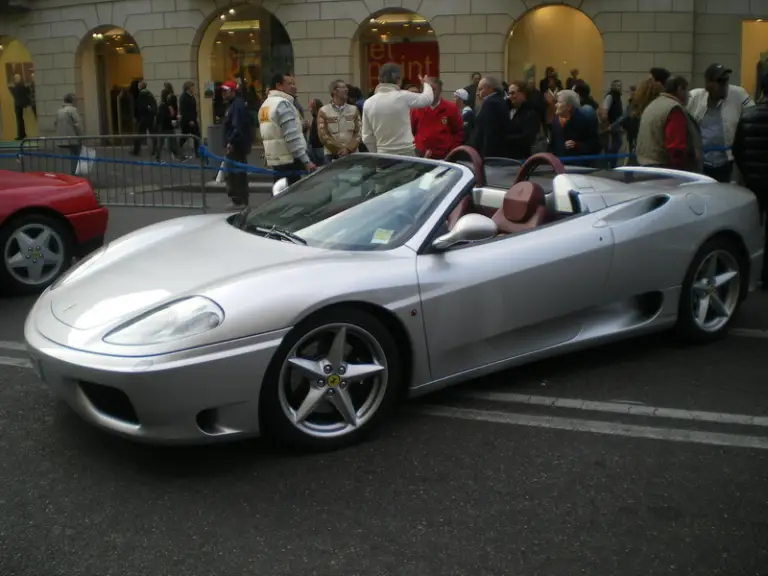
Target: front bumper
x=193 y=396
x=90 y=227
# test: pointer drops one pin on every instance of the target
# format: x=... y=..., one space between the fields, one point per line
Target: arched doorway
x=557 y=36
x=18 y=109
x=396 y=36
x=247 y=44
x=109 y=67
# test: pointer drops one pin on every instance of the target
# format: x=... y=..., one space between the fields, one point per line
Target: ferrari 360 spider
x=307 y=317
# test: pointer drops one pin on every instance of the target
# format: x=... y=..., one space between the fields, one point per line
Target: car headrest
x=522 y=200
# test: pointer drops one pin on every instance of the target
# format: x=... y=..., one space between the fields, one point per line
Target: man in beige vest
x=339 y=124
x=669 y=137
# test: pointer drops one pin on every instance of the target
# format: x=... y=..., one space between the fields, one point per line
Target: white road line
x=7 y=345
x=15 y=362
x=617 y=408
x=748 y=332
x=597 y=427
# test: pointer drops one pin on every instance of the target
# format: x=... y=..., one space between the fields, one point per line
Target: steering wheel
x=474 y=157
x=541 y=159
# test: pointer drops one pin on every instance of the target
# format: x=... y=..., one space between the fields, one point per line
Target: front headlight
x=174 y=321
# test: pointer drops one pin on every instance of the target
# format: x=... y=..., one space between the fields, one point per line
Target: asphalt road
x=641 y=458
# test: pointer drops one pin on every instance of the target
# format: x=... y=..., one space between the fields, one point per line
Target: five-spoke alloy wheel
x=334 y=378
x=35 y=250
x=712 y=291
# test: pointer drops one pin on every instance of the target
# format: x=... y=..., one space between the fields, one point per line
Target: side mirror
x=279 y=186
x=469 y=228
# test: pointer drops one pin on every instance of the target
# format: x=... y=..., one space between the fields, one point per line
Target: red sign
x=415 y=58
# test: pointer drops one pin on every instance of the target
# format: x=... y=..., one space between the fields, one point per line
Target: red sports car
x=46 y=220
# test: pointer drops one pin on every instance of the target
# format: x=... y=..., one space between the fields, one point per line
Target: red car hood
x=19 y=180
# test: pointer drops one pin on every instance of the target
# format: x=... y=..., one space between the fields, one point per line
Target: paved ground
x=642 y=458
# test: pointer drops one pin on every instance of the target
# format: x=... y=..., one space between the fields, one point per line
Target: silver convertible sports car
x=307 y=317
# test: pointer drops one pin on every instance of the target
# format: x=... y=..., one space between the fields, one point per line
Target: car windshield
x=358 y=203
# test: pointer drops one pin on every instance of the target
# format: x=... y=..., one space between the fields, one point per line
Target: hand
x=343 y=152
x=229 y=147
x=310 y=166
x=423 y=79
x=428 y=154
x=570 y=144
x=191 y=124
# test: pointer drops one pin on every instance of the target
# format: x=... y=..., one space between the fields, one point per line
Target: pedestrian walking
x=237 y=137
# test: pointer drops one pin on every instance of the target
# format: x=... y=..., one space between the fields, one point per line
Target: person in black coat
x=750 y=151
x=188 y=118
x=525 y=125
x=489 y=136
x=237 y=137
x=165 y=127
x=573 y=133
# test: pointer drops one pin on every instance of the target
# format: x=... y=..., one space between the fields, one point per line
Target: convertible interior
x=518 y=199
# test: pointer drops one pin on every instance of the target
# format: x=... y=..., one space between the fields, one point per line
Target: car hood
x=164 y=262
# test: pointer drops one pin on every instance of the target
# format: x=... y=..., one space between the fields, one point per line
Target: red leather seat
x=464 y=207
x=523 y=208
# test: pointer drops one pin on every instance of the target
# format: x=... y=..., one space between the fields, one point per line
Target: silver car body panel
x=471 y=310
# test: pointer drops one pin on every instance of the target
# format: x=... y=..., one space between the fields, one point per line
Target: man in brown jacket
x=338 y=124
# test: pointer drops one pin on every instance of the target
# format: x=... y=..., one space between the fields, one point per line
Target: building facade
x=172 y=41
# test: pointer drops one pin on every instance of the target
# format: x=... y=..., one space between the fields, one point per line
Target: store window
x=404 y=38
x=18 y=106
x=247 y=45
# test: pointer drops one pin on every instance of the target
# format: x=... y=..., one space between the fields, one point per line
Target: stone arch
x=16 y=59
x=253 y=25
x=404 y=36
x=529 y=46
x=108 y=61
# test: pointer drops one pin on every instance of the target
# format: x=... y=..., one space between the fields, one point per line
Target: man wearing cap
x=280 y=124
x=237 y=137
x=717 y=108
x=462 y=101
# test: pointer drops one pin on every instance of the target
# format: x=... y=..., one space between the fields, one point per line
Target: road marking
x=749 y=332
x=15 y=362
x=7 y=345
x=598 y=427
x=630 y=409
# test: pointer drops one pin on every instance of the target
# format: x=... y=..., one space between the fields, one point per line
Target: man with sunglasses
x=718 y=108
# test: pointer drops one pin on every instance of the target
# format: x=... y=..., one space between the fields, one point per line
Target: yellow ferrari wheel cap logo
x=333 y=380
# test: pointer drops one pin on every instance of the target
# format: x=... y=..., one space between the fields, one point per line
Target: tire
x=61 y=244
x=689 y=328
x=277 y=395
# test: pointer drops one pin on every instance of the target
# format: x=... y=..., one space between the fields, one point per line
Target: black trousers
x=144 y=125
x=21 y=127
x=296 y=166
x=720 y=173
x=237 y=179
x=193 y=130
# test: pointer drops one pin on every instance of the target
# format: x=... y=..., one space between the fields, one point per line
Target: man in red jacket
x=437 y=129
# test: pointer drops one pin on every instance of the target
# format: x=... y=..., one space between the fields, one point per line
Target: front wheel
x=712 y=292
x=332 y=381
x=36 y=250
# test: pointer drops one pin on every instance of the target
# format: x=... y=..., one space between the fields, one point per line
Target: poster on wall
x=414 y=58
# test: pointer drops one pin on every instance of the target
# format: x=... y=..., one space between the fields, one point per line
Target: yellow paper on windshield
x=382 y=236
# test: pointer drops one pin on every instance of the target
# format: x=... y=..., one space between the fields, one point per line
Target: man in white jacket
x=387 y=114
x=717 y=109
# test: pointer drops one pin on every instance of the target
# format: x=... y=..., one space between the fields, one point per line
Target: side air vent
x=634 y=209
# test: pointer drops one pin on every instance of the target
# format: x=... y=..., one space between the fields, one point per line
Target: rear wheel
x=712 y=292
x=36 y=250
x=332 y=382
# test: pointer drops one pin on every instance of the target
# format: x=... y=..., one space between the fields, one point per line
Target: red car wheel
x=35 y=249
